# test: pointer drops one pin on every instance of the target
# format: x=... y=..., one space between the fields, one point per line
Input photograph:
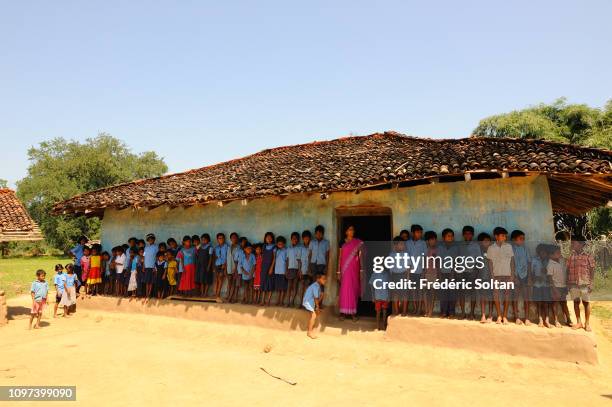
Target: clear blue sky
x=206 y=81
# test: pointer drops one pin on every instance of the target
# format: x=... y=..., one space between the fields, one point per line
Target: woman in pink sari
x=350 y=270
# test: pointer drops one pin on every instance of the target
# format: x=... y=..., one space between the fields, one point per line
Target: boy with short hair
x=280 y=269
x=470 y=250
x=448 y=252
x=399 y=296
x=522 y=262
x=581 y=271
x=204 y=257
x=220 y=259
x=541 y=290
x=246 y=268
x=501 y=264
x=120 y=263
x=38 y=291
x=319 y=248
x=231 y=271
x=305 y=269
x=293 y=267
x=312 y=302
x=149 y=259
x=557 y=274
x=416 y=249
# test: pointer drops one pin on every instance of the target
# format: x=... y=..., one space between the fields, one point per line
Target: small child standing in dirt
x=380 y=297
x=257 y=275
x=558 y=282
x=171 y=272
x=541 y=290
x=581 y=272
x=312 y=302
x=39 y=291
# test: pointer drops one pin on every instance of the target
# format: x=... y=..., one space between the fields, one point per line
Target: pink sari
x=350 y=278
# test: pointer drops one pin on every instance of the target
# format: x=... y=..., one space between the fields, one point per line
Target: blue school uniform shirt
x=395 y=269
x=71 y=280
x=58 y=280
x=416 y=249
x=77 y=251
x=280 y=265
x=539 y=272
x=380 y=293
x=150 y=254
x=472 y=250
x=304 y=259
x=246 y=265
x=293 y=255
x=221 y=254
x=445 y=251
x=40 y=290
x=521 y=260
x=319 y=249
x=312 y=292
x=134 y=265
x=238 y=255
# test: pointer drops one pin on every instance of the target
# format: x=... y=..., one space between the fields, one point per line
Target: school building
x=380 y=183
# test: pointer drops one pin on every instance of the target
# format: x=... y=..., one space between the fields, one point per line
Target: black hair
x=171 y=240
x=86 y=248
x=541 y=248
x=268 y=234
x=40 y=272
x=186 y=238
x=320 y=228
x=205 y=236
x=307 y=234
x=467 y=229
x=404 y=231
x=295 y=234
x=121 y=249
x=141 y=241
x=482 y=236
x=59 y=267
x=220 y=234
x=499 y=231
x=69 y=267
x=397 y=239
x=516 y=233
x=160 y=254
x=552 y=248
x=414 y=228
x=281 y=239
x=105 y=253
x=243 y=239
x=233 y=234
x=162 y=244
x=447 y=231
x=82 y=237
x=195 y=237
x=139 y=249
x=578 y=238
x=430 y=234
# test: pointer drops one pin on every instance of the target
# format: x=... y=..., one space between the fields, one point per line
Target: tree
x=3 y=183
x=568 y=123
x=60 y=169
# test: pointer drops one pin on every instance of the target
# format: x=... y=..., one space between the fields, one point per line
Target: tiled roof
x=344 y=164
x=15 y=223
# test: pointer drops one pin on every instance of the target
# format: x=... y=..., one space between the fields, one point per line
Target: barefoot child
x=171 y=272
x=399 y=297
x=501 y=264
x=257 y=275
x=132 y=286
x=541 y=290
x=107 y=277
x=160 y=272
x=204 y=256
x=267 y=268
x=94 y=277
x=293 y=267
x=522 y=262
x=305 y=274
x=149 y=259
x=380 y=297
x=581 y=270
x=220 y=258
x=231 y=271
x=470 y=250
x=484 y=274
x=558 y=281
x=312 y=302
x=38 y=291
x=58 y=281
x=120 y=266
x=416 y=248
x=431 y=271
x=84 y=269
x=246 y=268
x=280 y=270
x=70 y=281
x=448 y=249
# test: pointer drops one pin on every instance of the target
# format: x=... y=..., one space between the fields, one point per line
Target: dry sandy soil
x=129 y=359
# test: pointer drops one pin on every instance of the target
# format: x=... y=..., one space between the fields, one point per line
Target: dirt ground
x=129 y=359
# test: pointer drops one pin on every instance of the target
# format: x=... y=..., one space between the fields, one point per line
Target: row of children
x=544 y=279
x=145 y=269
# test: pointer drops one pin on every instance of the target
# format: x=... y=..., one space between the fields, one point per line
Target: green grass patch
x=17 y=274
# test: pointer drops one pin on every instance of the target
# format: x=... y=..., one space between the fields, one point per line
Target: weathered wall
x=520 y=202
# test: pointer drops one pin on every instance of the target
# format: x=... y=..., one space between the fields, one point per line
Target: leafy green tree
x=567 y=123
x=60 y=169
x=3 y=183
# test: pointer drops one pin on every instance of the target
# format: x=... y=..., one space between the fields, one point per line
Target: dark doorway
x=369 y=228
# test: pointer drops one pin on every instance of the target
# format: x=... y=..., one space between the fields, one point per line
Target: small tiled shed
x=15 y=222
x=383 y=183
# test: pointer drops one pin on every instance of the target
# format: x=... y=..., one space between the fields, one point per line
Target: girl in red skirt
x=257 y=276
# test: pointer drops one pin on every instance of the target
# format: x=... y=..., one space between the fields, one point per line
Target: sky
x=201 y=82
